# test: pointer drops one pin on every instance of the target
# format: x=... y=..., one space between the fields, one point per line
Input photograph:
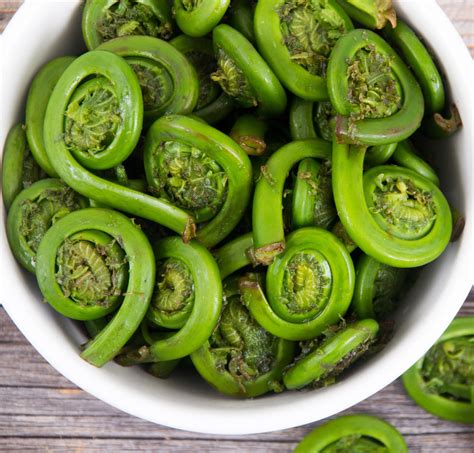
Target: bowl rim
x=253 y=416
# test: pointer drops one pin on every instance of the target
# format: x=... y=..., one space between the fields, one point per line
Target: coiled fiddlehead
x=74 y=267
x=103 y=20
x=241 y=358
x=19 y=169
x=202 y=169
x=328 y=358
x=296 y=38
x=39 y=93
x=73 y=167
x=393 y=214
x=198 y=17
x=200 y=53
x=353 y=433
x=309 y=286
x=33 y=212
x=168 y=81
x=268 y=229
x=244 y=75
x=377 y=289
x=377 y=99
x=442 y=382
x=312 y=203
x=206 y=306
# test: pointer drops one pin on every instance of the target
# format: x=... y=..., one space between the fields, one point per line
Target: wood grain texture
x=40 y=410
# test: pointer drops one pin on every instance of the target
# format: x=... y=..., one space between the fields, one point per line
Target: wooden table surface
x=41 y=410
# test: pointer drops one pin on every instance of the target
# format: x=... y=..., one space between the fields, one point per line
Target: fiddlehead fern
x=268 y=230
x=309 y=286
x=168 y=81
x=442 y=382
x=79 y=272
x=103 y=20
x=296 y=38
x=39 y=93
x=202 y=169
x=244 y=75
x=206 y=306
x=73 y=165
x=235 y=255
x=313 y=203
x=377 y=99
x=198 y=17
x=200 y=53
x=354 y=433
x=326 y=359
x=241 y=14
x=393 y=214
x=241 y=358
x=33 y=212
x=378 y=288
x=19 y=169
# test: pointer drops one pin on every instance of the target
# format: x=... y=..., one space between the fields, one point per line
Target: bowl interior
x=40 y=32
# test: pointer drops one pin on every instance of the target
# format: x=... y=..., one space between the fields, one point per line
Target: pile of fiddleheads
x=246 y=195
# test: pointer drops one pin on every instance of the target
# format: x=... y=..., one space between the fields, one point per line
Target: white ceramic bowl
x=44 y=29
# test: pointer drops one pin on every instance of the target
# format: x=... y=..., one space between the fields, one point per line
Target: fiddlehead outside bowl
x=322 y=361
x=33 y=212
x=353 y=433
x=377 y=99
x=19 y=168
x=296 y=38
x=103 y=20
x=241 y=358
x=392 y=213
x=378 y=288
x=198 y=17
x=117 y=86
x=39 y=93
x=202 y=170
x=79 y=272
x=168 y=81
x=308 y=287
x=268 y=229
x=244 y=75
x=442 y=382
x=201 y=320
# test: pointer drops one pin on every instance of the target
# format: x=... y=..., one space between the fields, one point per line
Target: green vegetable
x=373 y=14
x=241 y=358
x=200 y=169
x=377 y=288
x=168 y=81
x=392 y=213
x=296 y=38
x=309 y=287
x=33 y=212
x=377 y=99
x=244 y=75
x=198 y=17
x=322 y=361
x=353 y=433
x=71 y=247
x=206 y=306
x=268 y=230
x=19 y=169
x=123 y=92
x=39 y=93
x=103 y=20
x=249 y=132
x=442 y=382
x=235 y=255
x=241 y=14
